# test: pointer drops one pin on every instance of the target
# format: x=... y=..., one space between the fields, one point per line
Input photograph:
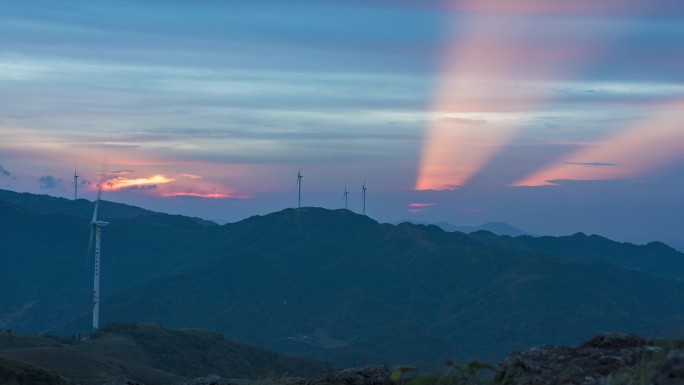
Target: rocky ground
x=607 y=359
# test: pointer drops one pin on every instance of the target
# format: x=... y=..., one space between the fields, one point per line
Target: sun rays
x=502 y=68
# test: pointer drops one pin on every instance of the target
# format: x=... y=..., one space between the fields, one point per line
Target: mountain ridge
x=498 y=228
x=339 y=286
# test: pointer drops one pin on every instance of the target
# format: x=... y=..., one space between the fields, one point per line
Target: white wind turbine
x=299 y=188
x=345 y=196
x=364 y=195
x=96 y=226
x=75 y=184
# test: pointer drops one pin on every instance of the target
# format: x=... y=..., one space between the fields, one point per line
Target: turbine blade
x=97 y=204
x=99 y=192
x=90 y=242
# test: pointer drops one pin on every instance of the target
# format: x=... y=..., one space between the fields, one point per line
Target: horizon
x=554 y=118
x=441 y=224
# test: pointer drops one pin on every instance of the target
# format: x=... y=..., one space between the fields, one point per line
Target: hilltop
x=337 y=286
x=150 y=354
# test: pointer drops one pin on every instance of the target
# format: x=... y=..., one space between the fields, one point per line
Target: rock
x=614 y=341
x=587 y=364
x=673 y=370
x=365 y=375
x=208 y=380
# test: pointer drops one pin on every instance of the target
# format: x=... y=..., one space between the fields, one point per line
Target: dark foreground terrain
x=146 y=353
x=150 y=355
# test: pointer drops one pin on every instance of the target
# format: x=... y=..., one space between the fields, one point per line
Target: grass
x=14 y=372
x=643 y=372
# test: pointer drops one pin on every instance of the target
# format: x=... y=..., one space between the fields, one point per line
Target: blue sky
x=554 y=116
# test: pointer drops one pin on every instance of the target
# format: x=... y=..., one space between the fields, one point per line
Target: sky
x=553 y=116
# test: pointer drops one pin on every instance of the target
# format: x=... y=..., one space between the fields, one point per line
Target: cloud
x=593 y=164
x=191 y=176
x=422 y=204
x=266 y=132
x=5 y=173
x=120 y=172
x=466 y=121
x=203 y=195
x=49 y=182
x=141 y=187
x=138 y=183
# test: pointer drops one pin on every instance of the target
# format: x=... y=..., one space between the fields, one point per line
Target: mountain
x=499 y=228
x=81 y=208
x=343 y=288
x=50 y=274
x=152 y=355
x=655 y=258
x=336 y=286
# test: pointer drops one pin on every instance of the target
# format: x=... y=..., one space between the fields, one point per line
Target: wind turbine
x=364 y=196
x=345 y=195
x=96 y=226
x=75 y=184
x=299 y=188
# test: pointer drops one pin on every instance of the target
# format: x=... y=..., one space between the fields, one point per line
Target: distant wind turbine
x=345 y=196
x=75 y=184
x=96 y=226
x=364 y=195
x=299 y=188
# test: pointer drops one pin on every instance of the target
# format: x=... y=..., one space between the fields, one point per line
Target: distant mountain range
x=331 y=284
x=498 y=228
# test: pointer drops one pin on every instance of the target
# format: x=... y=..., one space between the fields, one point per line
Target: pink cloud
x=191 y=176
x=207 y=195
x=123 y=182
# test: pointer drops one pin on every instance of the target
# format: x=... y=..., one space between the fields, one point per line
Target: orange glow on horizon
x=161 y=185
x=422 y=204
x=123 y=182
x=207 y=195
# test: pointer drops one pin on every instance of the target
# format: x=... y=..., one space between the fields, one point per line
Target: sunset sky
x=554 y=116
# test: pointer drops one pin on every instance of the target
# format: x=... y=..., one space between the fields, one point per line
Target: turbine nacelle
x=99 y=223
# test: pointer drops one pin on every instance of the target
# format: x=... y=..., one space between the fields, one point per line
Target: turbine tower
x=75 y=184
x=364 y=195
x=299 y=189
x=345 y=195
x=96 y=226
